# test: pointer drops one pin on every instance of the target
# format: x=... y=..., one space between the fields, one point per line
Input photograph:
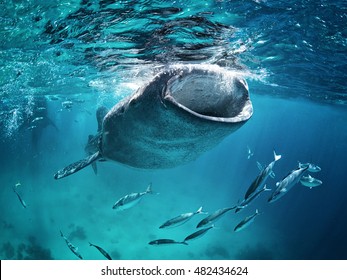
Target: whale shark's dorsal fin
x=76 y=166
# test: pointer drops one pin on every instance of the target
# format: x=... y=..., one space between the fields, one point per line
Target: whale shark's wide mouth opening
x=210 y=95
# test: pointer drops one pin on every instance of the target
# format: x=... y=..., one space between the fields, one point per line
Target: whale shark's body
x=184 y=111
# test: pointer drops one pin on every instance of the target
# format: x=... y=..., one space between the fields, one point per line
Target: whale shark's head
x=182 y=112
x=211 y=93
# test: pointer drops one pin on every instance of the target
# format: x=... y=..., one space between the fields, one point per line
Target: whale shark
x=184 y=111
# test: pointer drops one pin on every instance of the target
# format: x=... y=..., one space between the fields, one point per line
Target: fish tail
x=199 y=210
x=266 y=189
x=90 y=244
x=185 y=243
x=61 y=234
x=277 y=157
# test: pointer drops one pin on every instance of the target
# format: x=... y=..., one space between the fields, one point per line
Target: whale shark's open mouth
x=210 y=95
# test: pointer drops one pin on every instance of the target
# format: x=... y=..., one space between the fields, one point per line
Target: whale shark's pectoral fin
x=76 y=166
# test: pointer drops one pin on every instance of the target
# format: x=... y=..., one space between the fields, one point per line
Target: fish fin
x=260 y=166
x=283 y=190
x=266 y=189
x=257 y=212
x=149 y=188
x=95 y=168
x=76 y=166
x=277 y=184
x=272 y=174
x=199 y=210
x=277 y=157
x=239 y=208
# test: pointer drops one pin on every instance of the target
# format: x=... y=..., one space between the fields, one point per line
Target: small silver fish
x=67 y=104
x=246 y=222
x=71 y=247
x=197 y=234
x=287 y=183
x=262 y=177
x=166 y=242
x=37 y=120
x=132 y=199
x=309 y=181
x=311 y=167
x=180 y=219
x=249 y=153
x=102 y=251
x=20 y=198
x=214 y=216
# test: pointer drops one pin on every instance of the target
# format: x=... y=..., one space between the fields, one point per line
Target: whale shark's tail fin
x=77 y=166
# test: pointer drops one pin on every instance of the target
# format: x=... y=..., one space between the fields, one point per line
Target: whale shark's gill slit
x=76 y=166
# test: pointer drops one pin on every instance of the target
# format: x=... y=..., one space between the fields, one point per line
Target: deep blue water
x=84 y=54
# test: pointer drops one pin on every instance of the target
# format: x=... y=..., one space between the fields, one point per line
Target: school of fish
x=257 y=188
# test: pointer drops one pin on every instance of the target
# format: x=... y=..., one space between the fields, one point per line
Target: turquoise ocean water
x=61 y=60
